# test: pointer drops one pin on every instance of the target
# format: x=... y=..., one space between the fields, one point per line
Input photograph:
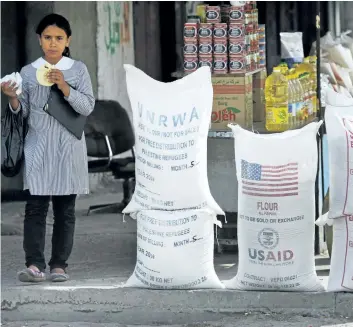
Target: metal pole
x=337 y=18
x=320 y=116
x=331 y=16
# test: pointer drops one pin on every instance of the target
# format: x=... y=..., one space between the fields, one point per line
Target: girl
x=55 y=160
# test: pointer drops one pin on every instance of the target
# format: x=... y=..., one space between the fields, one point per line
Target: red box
x=190 y=63
x=237 y=14
x=190 y=31
x=213 y=14
x=190 y=48
x=205 y=47
x=236 y=31
x=220 y=64
x=205 y=31
x=206 y=60
x=237 y=64
x=237 y=47
x=220 y=47
x=220 y=31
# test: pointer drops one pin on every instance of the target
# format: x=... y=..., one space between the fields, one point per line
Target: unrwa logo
x=227 y=114
x=167 y=120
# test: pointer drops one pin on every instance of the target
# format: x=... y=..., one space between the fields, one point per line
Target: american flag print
x=269 y=181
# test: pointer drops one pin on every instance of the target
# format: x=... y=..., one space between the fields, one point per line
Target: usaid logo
x=268 y=238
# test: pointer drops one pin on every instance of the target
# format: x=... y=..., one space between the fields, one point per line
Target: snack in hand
x=42 y=73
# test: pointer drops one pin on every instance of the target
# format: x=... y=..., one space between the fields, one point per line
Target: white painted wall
x=115 y=47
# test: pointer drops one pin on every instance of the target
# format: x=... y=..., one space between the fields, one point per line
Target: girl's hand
x=9 y=90
x=57 y=77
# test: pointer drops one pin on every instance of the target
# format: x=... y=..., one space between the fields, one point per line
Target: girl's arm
x=21 y=102
x=82 y=99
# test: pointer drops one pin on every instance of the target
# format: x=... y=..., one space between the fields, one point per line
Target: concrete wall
x=115 y=47
x=346 y=15
x=35 y=11
x=82 y=16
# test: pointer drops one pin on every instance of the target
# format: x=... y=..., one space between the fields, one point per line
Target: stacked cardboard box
x=232 y=101
x=238 y=99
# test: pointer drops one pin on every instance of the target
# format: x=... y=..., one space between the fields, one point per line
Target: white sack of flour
x=175 y=250
x=171 y=122
x=339 y=125
x=341 y=270
x=276 y=210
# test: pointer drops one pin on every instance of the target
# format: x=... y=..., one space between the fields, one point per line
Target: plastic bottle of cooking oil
x=283 y=66
x=310 y=89
x=292 y=106
x=299 y=96
x=306 y=68
x=313 y=80
x=306 y=98
x=276 y=95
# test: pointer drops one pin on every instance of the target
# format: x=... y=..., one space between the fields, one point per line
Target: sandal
x=59 y=277
x=31 y=276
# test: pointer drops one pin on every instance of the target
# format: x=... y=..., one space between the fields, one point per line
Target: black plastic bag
x=13 y=132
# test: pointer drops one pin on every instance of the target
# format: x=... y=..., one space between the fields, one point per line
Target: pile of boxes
x=226 y=39
x=238 y=99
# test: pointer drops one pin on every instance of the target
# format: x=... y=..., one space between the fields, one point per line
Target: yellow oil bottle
x=292 y=103
x=306 y=68
x=299 y=97
x=276 y=96
x=306 y=97
x=313 y=79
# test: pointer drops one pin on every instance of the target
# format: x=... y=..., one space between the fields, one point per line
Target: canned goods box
x=237 y=14
x=190 y=32
x=220 y=31
x=232 y=101
x=220 y=64
x=191 y=63
x=205 y=47
x=206 y=60
x=205 y=31
x=190 y=48
x=213 y=14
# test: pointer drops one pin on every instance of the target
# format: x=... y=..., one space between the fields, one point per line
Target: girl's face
x=53 y=42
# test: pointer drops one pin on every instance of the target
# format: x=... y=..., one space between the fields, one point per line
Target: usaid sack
x=276 y=210
x=339 y=125
x=171 y=122
x=175 y=250
x=341 y=270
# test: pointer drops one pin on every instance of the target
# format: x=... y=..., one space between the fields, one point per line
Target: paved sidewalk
x=104 y=257
x=240 y=320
